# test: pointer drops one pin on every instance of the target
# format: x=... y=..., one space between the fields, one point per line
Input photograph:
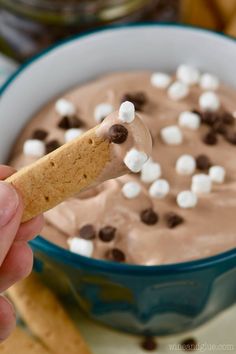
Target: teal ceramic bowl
x=156 y=300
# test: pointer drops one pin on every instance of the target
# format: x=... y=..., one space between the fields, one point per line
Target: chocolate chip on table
x=149 y=344
x=189 y=345
x=116 y=255
x=139 y=99
x=117 y=134
x=70 y=122
x=173 y=220
x=40 y=134
x=231 y=137
x=210 y=138
x=203 y=162
x=107 y=233
x=149 y=216
x=52 y=145
x=87 y=232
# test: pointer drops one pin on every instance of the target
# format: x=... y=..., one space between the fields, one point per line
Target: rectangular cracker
x=46 y=318
x=22 y=343
x=61 y=174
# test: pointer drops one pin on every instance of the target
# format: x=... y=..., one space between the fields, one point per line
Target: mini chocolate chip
x=210 y=138
x=52 y=145
x=149 y=344
x=173 y=220
x=231 y=137
x=107 y=233
x=117 y=133
x=70 y=122
x=40 y=134
x=189 y=345
x=203 y=162
x=87 y=232
x=116 y=255
x=149 y=217
x=219 y=127
x=196 y=111
x=209 y=118
x=227 y=118
x=64 y=123
x=139 y=99
x=76 y=122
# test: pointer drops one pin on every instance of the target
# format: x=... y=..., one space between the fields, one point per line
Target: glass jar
x=28 y=26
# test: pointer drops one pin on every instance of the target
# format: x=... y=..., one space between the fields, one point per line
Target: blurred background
x=28 y=26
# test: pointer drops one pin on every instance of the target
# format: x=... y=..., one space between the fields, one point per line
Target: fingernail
x=9 y=202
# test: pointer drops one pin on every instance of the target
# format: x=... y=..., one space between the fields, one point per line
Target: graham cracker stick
x=46 y=318
x=22 y=343
x=61 y=174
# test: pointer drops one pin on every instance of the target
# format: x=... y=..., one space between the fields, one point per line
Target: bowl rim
x=60 y=253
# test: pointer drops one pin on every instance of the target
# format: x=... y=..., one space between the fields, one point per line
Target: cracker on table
x=46 y=318
x=22 y=343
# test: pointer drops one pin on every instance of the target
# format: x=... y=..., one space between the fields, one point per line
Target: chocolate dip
x=144 y=229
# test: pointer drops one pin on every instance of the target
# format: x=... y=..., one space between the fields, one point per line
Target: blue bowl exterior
x=158 y=300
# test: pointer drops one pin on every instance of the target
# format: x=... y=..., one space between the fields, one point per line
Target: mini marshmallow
x=185 y=165
x=201 y=184
x=209 y=82
x=72 y=133
x=209 y=101
x=131 y=190
x=150 y=171
x=160 y=80
x=102 y=110
x=172 y=135
x=80 y=246
x=34 y=147
x=159 y=189
x=65 y=108
x=186 y=200
x=177 y=91
x=188 y=74
x=127 y=112
x=217 y=174
x=135 y=160
x=189 y=120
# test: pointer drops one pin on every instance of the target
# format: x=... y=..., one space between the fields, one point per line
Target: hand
x=16 y=257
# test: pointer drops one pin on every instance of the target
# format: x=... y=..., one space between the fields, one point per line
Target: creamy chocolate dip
x=146 y=222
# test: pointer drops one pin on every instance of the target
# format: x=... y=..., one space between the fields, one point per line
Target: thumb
x=10 y=217
x=9 y=202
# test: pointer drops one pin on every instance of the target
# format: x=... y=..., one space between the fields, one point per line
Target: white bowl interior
x=128 y=48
